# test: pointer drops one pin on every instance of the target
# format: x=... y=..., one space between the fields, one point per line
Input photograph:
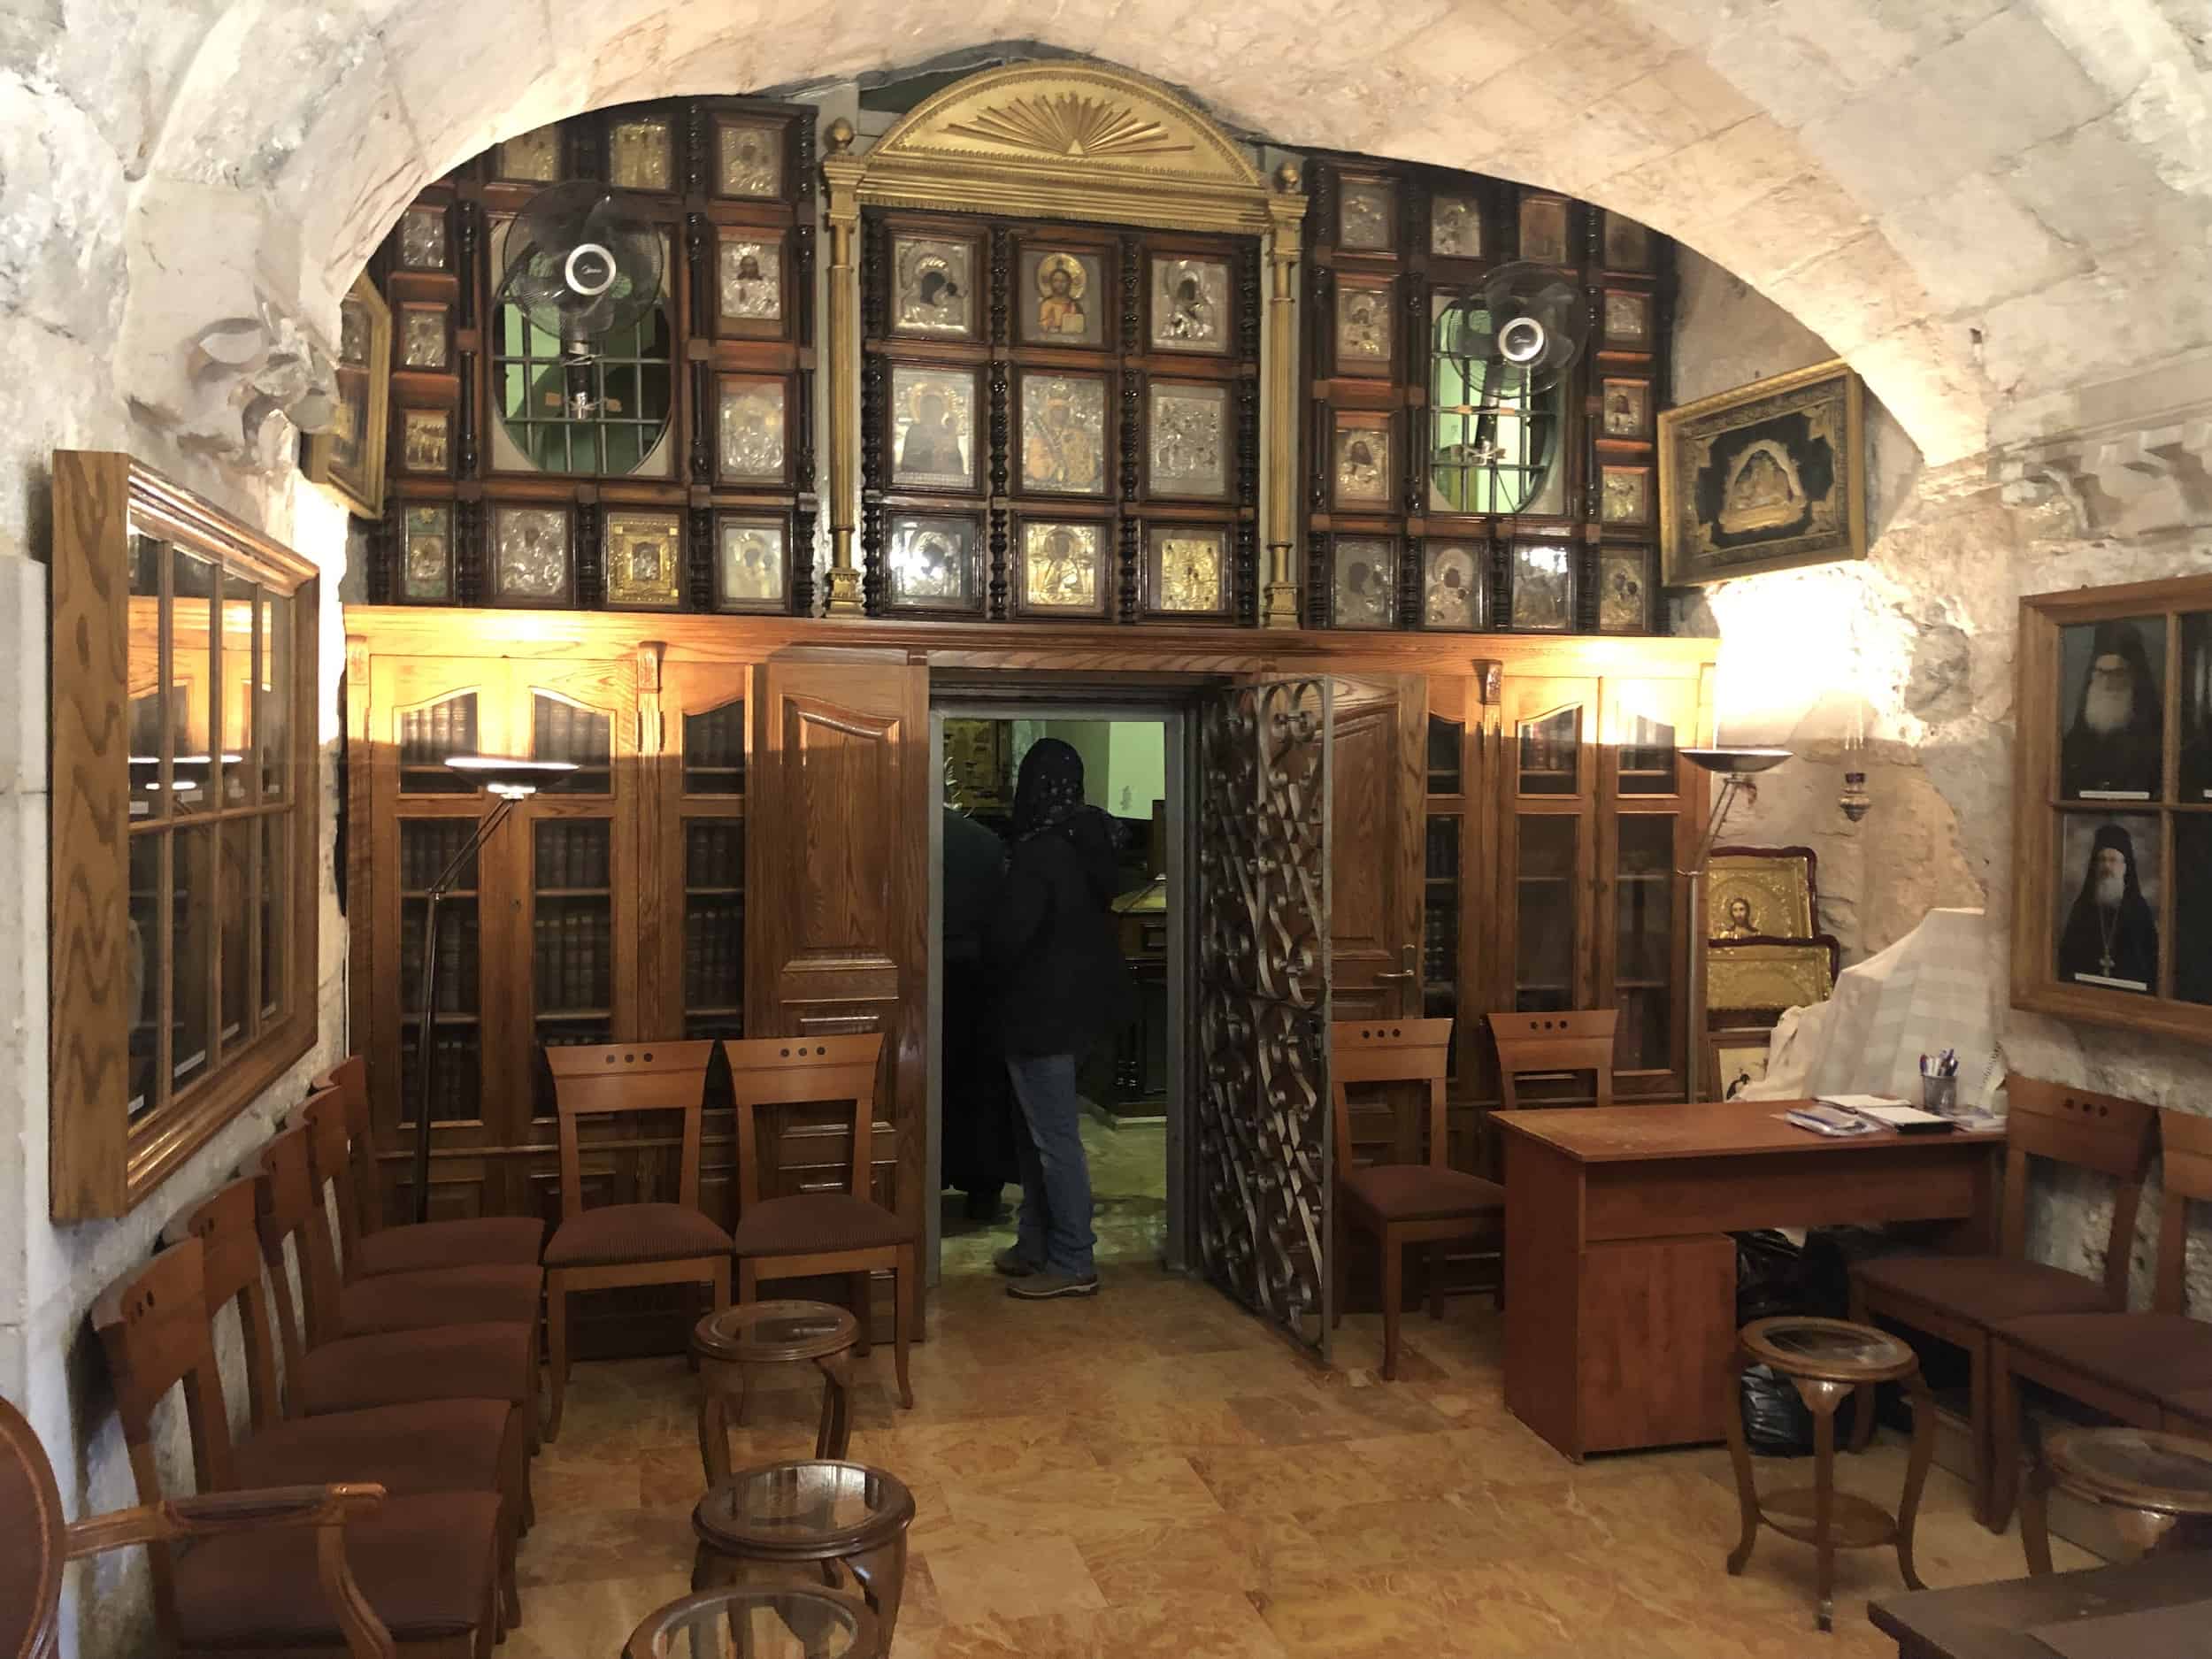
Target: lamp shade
x=1738 y=763
x=508 y=775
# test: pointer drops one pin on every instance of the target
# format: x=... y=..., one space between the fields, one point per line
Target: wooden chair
x=330 y=1368
x=2126 y=1366
x=450 y=1444
x=43 y=1543
x=810 y=1233
x=1546 y=1044
x=427 y=1565
x=367 y=1247
x=628 y=1244
x=1960 y=1299
x=1402 y=1204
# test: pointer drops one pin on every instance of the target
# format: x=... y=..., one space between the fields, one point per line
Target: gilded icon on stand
x=933 y=427
x=1060 y=567
x=935 y=290
x=1063 y=434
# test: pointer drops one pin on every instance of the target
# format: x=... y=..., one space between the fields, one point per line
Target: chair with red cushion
x=450 y=1347
x=344 y=1153
x=1960 y=1299
x=804 y=1234
x=42 y=1542
x=1419 y=1200
x=427 y=1564
x=2126 y=1366
x=450 y=1444
x=620 y=1245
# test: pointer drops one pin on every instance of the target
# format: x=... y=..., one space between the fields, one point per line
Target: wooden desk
x=1992 y=1621
x=1620 y=1307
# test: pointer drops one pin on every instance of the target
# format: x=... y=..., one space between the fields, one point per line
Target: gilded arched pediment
x=1067 y=140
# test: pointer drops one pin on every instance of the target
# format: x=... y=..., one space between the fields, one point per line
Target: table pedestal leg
x=834 y=1438
x=881 y=1574
x=2035 y=1518
x=714 y=1428
x=1916 y=1473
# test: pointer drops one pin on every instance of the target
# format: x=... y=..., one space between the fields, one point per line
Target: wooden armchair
x=425 y=1565
x=30 y=1588
x=1402 y=1204
x=346 y=1159
x=628 y=1244
x=810 y=1233
x=2128 y=1366
x=448 y=1352
x=1960 y=1299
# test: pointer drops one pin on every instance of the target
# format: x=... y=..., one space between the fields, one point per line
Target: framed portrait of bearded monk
x=2112 y=807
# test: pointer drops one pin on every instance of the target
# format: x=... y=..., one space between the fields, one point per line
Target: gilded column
x=841 y=172
x=1286 y=212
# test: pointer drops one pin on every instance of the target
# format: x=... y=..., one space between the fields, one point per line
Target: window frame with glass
x=149 y=1060
x=2101 y=751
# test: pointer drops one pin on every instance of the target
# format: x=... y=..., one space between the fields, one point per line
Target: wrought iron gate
x=1264 y=1145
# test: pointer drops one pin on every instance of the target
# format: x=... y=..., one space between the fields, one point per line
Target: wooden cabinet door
x=1548 y=786
x=1651 y=806
x=420 y=814
x=1378 y=760
x=836 y=926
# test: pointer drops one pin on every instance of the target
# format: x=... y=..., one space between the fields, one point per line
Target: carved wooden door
x=837 y=910
x=1265 y=1147
x=1378 y=761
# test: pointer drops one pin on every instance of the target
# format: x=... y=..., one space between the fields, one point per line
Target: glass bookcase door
x=1644 y=960
x=705 y=711
x=1652 y=806
x=1549 y=849
x=1550 y=780
x=427 y=848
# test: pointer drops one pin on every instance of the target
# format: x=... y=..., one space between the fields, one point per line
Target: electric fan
x=1502 y=348
x=579 y=267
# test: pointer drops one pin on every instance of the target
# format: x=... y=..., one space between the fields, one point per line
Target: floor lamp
x=507 y=781
x=1735 y=768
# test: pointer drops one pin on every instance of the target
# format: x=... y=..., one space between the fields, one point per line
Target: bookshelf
x=426 y=846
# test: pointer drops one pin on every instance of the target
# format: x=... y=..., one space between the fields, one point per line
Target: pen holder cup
x=1940 y=1094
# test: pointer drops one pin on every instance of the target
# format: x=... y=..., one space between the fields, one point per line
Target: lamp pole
x=1734 y=767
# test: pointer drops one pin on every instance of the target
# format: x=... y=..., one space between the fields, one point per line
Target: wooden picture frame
x=1768 y=477
x=1734 y=1058
x=2107 y=675
x=146 y=691
x=1763 y=975
x=349 y=460
x=1761 y=893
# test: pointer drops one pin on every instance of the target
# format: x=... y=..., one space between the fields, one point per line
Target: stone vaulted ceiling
x=1985 y=204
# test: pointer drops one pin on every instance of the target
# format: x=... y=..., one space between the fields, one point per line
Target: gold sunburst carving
x=1070 y=123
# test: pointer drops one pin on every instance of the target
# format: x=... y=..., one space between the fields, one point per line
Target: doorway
x=1134 y=1085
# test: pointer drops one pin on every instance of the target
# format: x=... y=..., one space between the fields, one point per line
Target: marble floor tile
x=1158 y=1473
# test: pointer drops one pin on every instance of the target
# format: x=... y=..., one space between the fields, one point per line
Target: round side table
x=2158 y=1487
x=771 y=1334
x=814 y=1521
x=774 y=1623
x=1825 y=1359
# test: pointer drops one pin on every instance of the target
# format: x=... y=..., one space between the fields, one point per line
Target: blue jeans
x=1054 y=1225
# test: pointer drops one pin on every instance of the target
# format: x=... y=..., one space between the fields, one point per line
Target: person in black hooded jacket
x=1061 y=986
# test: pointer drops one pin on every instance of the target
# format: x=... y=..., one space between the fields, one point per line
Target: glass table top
x=792 y=1504
x=777 y=1329
x=756 y=1622
x=2160 y=1472
x=1824 y=1345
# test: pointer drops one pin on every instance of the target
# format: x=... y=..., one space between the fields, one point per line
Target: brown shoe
x=1011 y=1263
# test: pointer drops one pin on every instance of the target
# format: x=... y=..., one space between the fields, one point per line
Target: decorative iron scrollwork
x=1264 y=1131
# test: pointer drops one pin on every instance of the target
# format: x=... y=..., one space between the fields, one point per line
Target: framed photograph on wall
x=2112 y=840
x=349 y=459
x=1769 y=477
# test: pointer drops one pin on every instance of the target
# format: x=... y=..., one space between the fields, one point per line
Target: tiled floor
x=1153 y=1473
